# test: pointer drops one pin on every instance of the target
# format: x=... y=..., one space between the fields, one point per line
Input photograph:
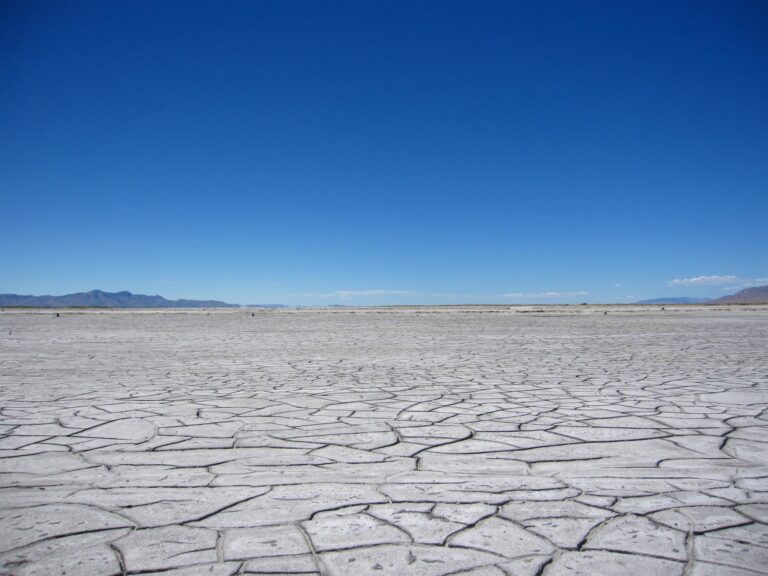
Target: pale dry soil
x=475 y=441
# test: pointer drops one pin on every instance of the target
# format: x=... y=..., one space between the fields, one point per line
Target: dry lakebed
x=483 y=441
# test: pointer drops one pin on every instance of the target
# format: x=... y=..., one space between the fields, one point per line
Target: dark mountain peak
x=101 y=299
x=754 y=295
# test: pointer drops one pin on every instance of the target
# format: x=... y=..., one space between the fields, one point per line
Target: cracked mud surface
x=479 y=442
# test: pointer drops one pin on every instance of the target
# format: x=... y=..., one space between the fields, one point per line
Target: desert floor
x=478 y=440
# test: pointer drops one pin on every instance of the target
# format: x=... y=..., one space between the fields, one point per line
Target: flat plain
x=482 y=441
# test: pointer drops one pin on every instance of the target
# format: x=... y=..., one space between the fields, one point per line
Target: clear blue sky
x=384 y=152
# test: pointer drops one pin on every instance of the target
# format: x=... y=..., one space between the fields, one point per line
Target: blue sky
x=384 y=152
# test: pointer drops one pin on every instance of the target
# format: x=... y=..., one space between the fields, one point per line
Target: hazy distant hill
x=97 y=298
x=756 y=295
x=674 y=300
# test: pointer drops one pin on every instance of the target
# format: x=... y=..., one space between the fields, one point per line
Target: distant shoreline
x=574 y=309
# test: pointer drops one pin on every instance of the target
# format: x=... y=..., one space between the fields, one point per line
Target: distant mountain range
x=756 y=295
x=124 y=299
x=99 y=299
x=673 y=300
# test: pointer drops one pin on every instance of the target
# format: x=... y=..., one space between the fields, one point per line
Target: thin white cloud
x=703 y=280
x=165 y=281
x=729 y=281
x=356 y=293
x=345 y=294
x=460 y=297
x=549 y=294
x=617 y=285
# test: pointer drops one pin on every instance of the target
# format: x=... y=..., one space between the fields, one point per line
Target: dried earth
x=464 y=441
